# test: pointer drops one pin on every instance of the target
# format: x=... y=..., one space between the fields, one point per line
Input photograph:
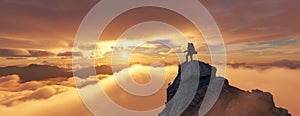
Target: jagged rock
x=231 y=101
x=206 y=72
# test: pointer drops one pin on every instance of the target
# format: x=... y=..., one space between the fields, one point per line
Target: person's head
x=190 y=44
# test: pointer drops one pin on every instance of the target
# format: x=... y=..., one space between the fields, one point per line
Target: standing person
x=191 y=50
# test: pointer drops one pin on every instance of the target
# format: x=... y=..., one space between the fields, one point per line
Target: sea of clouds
x=61 y=97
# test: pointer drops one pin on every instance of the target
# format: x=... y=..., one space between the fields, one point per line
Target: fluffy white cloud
x=282 y=83
x=43 y=98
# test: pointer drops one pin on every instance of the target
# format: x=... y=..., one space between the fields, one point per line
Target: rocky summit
x=183 y=99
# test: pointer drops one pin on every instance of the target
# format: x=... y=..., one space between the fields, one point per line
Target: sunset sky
x=256 y=31
x=261 y=37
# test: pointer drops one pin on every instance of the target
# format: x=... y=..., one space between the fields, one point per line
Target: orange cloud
x=39 y=98
x=281 y=82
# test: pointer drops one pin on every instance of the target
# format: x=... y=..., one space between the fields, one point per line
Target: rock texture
x=231 y=101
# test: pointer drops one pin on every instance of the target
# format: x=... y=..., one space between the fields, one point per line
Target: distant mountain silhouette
x=86 y=72
x=231 y=101
x=34 y=72
x=42 y=72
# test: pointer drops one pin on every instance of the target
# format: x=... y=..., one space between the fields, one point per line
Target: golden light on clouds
x=141 y=76
x=282 y=83
x=261 y=38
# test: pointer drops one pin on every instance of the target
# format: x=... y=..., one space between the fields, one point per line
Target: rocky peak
x=231 y=101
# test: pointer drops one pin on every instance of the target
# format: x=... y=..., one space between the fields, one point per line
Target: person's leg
x=186 y=57
x=191 y=56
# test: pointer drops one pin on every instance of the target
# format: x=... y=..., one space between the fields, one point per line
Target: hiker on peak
x=190 y=51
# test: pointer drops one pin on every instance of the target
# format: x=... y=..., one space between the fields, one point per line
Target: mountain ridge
x=35 y=72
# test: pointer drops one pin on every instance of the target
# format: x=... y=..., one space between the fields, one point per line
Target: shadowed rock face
x=231 y=102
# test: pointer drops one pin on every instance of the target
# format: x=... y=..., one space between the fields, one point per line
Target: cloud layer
x=59 y=97
x=282 y=83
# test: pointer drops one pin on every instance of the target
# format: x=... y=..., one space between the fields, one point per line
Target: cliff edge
x=185 y=100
